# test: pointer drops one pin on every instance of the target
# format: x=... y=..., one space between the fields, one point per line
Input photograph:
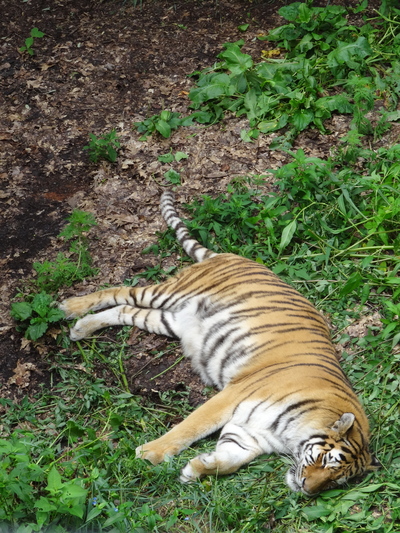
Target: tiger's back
x=269 y=351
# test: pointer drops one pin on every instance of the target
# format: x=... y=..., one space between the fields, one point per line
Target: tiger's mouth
x=298 y=483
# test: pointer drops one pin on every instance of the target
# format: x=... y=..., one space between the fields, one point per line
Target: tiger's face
x=329 y=460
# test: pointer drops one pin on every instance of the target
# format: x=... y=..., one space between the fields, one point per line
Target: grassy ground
x=331 y=230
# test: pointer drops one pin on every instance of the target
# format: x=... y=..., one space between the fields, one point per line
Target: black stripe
x=229 y=437
x=296 y=405
x=166 y=325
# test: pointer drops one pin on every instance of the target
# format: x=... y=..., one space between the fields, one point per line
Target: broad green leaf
x=287 y=234
x=353 y=283
x=180 y=155
x=316 y=511
x=396 y=340
x=392 y=116
x=337 y=102
x=21 y=310
x=45 y=505
x=202 y=117
x=54 y=315
x=166 y=158
x=163 y=128
x=236 y=60
x=93 y=513
x=302 y=118
x=72 y=490
x=111 y=520
x=165 y=115
x=76 y=510
x=35 y=331
x=212 y=86
x=393 y=281
x=266 y=126
x=35 y=32
x=41 y=303
x=54 y=482
x=290 y=12
x=305 y=13
x=284 y=33
x=347 y=52
x=250 y=102
x=173 y=177
x=243 y=27
x=248 y=136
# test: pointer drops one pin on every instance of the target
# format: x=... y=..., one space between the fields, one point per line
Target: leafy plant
x=34 y=34
x=172 y=175
x=103 y=147
x=321 y=52
x=36 y=315
x=66 y=270
x=19 y=475
x=36 y=311
x=164 y=123
x=170 y=157
x=356 y=235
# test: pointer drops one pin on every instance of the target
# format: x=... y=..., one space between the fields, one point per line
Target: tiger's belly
x=217 y=344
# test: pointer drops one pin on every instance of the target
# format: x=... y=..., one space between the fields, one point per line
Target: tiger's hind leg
x=152 y=296
x=151 y=320
x=80 y=305
x=235 y=448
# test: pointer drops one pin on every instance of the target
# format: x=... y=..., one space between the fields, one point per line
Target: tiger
x=268 y=351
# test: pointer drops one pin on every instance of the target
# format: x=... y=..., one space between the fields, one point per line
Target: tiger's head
x=330 y=459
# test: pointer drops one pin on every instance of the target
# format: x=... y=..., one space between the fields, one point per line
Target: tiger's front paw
x=156 y=452
x=73 y=307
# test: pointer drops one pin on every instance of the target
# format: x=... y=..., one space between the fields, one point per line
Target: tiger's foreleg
x=206 y=419
x=151 y=320
x=235 y=448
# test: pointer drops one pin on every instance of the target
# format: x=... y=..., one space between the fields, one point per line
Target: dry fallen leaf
x=22 y=374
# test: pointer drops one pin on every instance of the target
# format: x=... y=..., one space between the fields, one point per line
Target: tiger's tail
x=192 y=247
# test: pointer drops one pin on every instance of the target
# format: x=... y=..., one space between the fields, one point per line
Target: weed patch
x=103 y=147
x=36 y=312
x=35 y=33
x=326 y=66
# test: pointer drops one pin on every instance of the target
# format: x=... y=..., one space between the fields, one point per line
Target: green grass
x=331 y=229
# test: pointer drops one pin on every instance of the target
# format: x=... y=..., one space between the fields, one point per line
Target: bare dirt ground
x=105 y=65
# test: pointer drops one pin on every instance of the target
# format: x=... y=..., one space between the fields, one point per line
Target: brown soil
x=105 y=65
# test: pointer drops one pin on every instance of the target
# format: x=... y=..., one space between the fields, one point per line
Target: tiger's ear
x=374 y=464
x=342 y=426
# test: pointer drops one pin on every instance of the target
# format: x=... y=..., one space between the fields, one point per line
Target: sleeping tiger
x=265 y=347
